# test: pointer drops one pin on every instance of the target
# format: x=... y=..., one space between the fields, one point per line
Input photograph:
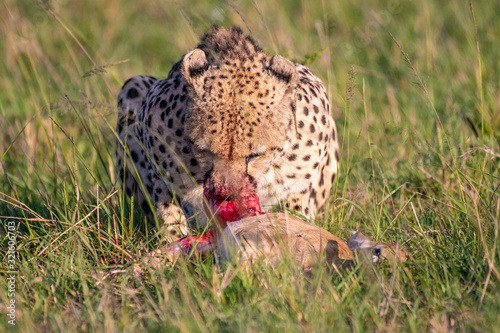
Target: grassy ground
x=415 y=93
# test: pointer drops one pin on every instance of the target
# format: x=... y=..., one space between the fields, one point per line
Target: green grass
x=415 y=94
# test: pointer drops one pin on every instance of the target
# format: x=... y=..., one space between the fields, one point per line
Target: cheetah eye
x=251 y=157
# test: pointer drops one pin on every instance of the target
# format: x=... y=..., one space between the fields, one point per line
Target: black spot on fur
x=160 y=130
x=132 y=93
x=134 y=156
x=313 y=195
x=145 y=207
x=314 y=93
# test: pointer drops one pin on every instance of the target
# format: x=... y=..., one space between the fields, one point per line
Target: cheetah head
x=240 y=118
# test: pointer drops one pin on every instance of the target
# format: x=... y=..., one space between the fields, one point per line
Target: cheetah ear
x=283 y=69
x=194 y=66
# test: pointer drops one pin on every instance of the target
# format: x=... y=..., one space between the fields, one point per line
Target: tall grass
x=415 y=94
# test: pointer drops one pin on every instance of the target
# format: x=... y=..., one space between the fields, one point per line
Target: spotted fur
x=226 y=105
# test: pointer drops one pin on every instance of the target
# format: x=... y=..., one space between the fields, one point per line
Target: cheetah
x=231 y=129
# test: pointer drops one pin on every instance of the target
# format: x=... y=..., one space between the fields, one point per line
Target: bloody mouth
x=227 y=207
x=232 y=210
